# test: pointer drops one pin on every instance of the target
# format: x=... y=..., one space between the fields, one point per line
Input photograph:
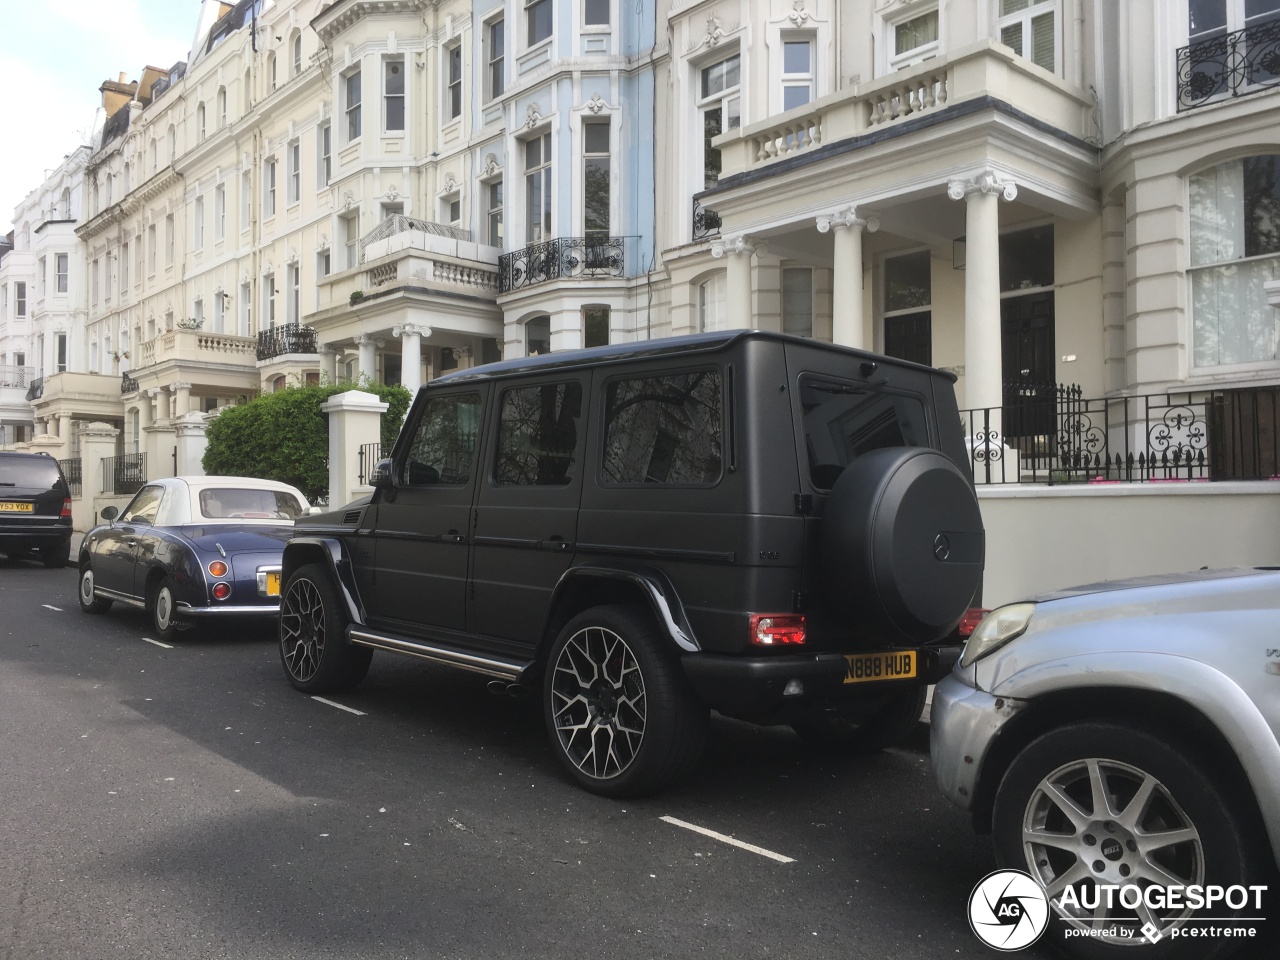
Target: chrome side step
x=104 y=594
x=509 y=670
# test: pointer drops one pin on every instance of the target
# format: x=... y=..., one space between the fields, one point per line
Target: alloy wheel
x=598 y=702
x=86 y=586
x=1095 y=822
x=302 y=629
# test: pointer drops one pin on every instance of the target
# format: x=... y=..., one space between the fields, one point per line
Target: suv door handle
x=453 y=536
x=556 y=543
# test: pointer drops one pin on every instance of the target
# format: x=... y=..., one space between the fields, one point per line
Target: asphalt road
x=187 y=802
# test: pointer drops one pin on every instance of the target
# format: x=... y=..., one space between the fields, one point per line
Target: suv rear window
x=22 y=473
x=666 y=429
x=842 y=421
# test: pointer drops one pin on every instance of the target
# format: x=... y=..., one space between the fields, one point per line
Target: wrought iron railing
x=369 y=455
x=1229 y=65
x=706 y=223
x=568 y=258
x=128 y=384
x=124 y=475
x=35 y=389
x=287 y=338
x=399 y=223
x=1060 y=436
x=71 y=472
x=11 y=376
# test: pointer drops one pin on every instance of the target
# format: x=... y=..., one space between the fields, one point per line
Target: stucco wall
x=1044 y=538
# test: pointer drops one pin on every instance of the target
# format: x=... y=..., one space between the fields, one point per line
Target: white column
x=191 y=443
x=368 y=347
x=182 y=393
x=848 y=325
x=411 y=354
x=736 y=252
x=329 y=362
x=982 y=373
x=355 y=420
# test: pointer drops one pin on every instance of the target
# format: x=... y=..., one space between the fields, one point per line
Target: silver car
x=1123 y=736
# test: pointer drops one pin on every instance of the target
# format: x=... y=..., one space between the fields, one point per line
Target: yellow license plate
x=8 y=506
x=273 y=584
x=867 y=667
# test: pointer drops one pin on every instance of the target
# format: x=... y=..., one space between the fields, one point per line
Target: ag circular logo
x=1008 y=910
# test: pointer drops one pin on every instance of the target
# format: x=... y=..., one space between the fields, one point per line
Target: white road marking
x=752 y=848
x=358 y=713
x=167 y=646
x=51 y=607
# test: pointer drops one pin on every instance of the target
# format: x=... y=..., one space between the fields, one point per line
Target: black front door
x=1028 y=374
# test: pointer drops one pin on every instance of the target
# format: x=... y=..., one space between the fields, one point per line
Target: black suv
x=35 y=508
x=775 y=528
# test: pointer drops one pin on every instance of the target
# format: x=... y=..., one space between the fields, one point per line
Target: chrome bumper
x=963 y=724
x=186 y=610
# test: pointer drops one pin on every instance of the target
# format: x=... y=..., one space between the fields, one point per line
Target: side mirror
x=108 y=513
x=381 y=478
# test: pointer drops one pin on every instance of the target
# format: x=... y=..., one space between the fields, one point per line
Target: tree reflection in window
x=537 y=434
x=666 y=429
x=444 y=442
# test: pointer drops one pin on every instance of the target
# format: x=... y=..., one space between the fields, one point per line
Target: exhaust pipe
x=517 y=691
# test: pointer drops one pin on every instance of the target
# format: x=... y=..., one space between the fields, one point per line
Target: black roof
x=689 y=344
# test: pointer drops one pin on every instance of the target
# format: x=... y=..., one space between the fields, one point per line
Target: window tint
x=21 y=473
x=444 y=442
x=666 y=429
x=842 y=421
x=145 y=506
x=538 y=433
x=224 y=503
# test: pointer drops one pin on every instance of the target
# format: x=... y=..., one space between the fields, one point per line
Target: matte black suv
x=35 y=508
x=774 y=528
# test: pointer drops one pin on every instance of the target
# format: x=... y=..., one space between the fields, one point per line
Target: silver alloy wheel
x=598 y=702
x=86 y=586
x=1098 y=822
x=163 y=612
x=302 y=629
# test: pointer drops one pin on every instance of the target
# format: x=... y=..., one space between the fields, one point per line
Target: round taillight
x=221 y=591
x=218 y=569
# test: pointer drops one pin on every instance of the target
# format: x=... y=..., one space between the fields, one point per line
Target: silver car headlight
x=996 y=629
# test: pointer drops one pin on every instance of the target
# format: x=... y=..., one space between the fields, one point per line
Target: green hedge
x=284 y=436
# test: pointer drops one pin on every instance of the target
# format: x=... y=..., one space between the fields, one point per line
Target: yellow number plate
x=865 y=667
x=273 y=584
x=7 y=506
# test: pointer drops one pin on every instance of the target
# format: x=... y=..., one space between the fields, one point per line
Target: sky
x=54 y=54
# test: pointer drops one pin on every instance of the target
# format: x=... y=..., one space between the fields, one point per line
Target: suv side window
x=537 y=434
x=666 y=429
x=443 y=450
x=843 y=420
x=144 y=507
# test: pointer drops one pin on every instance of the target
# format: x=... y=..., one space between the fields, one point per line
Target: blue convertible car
x=188 y=548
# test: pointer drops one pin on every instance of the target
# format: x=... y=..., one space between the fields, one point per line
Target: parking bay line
x=48 y=606
x=167 y=646
x=750 y=847
x=358 y=713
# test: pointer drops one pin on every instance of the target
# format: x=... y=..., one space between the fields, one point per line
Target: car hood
x=236 y=538
x=1155 y=580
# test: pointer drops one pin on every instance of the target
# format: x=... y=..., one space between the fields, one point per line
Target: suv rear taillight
x=66 y=507
x=777 y=629
x=969 y=622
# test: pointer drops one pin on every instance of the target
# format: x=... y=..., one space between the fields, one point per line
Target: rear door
x=422 y=539
x=527 y=512
x=31 y=492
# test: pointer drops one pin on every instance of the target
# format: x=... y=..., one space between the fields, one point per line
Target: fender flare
x=660 y=596
x=333 y=552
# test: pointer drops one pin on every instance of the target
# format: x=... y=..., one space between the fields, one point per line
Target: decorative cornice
x=346 y=13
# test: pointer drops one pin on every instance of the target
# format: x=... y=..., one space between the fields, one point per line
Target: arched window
x=271 y=71
x=296 y=50
x=248 y=91
x=712 y=314
x=537 y=336
x=64 y=204
x=154 y=152
x=1235 y=249
x=222 y=107
x=200 y=127
x=128 y=178
x=173 y=143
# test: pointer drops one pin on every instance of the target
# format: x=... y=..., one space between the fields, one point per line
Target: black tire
x=163 y=609
x=620 y=715
x=902 y=544
x=1115 y=846
x=314 y=649
x=886 y=726
x=88 y=602
x=56 y=557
